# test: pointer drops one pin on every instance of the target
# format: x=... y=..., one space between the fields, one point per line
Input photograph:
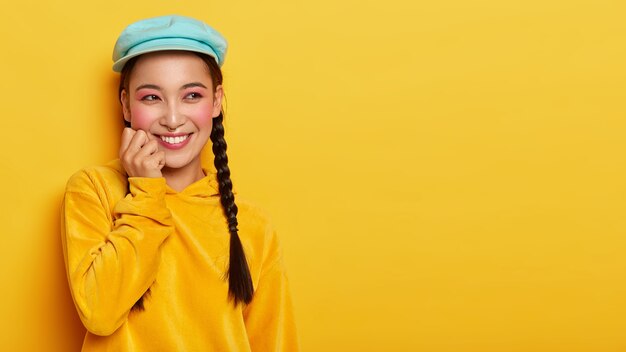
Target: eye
x=193 y=96
x=150 y=97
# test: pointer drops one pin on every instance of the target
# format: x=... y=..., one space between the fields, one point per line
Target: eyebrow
x=147 y=86
x=193 y=84
x=185 y=86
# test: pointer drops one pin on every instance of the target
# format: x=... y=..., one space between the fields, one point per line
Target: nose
x=172 y=119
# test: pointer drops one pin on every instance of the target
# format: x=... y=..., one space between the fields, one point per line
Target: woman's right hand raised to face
x=140 y=154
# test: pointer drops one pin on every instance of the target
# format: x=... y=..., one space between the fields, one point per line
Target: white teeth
x=174 y=140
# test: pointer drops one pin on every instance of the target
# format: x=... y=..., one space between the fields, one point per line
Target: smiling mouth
x=175 y=140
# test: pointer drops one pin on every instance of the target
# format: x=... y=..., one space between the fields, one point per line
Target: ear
x=217 y=101
x=125 y=105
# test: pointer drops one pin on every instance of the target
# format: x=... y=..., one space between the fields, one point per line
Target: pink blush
x=141 y=117
x=202 y=115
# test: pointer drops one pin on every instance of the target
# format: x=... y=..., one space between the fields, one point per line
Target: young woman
x=159 y=255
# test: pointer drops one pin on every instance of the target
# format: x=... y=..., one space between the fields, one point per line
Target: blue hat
x=168 y=33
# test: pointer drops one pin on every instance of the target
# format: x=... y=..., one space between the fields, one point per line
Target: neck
x=178 y=179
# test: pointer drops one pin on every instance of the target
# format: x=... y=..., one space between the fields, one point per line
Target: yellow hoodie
x=117 y=246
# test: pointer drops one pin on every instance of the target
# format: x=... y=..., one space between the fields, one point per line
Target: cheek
x=141 y=117
x=202 y=116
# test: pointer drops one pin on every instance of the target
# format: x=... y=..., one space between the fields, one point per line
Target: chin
x=179 y=161
x=175 y=164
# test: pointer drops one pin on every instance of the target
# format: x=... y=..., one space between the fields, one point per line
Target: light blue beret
x=168 y=33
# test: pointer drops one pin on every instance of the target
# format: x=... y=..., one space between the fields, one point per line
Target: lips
x=174 y=141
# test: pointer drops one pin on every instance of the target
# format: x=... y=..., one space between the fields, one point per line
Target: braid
x=240 y=287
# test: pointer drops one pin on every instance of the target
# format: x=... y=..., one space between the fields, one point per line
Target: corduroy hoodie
x=119 y=245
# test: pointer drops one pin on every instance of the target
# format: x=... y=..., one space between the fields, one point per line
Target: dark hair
x=240 y=286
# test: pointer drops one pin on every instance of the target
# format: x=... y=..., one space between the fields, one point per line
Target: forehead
x=169 y=68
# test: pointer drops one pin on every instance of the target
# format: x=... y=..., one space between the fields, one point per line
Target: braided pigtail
x=240 y=287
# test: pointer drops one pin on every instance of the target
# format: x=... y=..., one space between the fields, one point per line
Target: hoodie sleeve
x=112 y=257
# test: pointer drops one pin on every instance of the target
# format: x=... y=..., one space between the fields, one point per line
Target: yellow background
x=445 y=175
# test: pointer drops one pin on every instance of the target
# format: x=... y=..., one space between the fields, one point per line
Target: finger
x=155 y=161
x=160 y=158
x=147 y=149
x=127 y=136
x=139 y=139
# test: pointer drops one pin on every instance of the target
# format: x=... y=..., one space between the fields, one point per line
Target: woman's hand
x=140 y=155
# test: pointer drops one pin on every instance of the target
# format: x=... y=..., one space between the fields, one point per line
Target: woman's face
x=171 y=97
